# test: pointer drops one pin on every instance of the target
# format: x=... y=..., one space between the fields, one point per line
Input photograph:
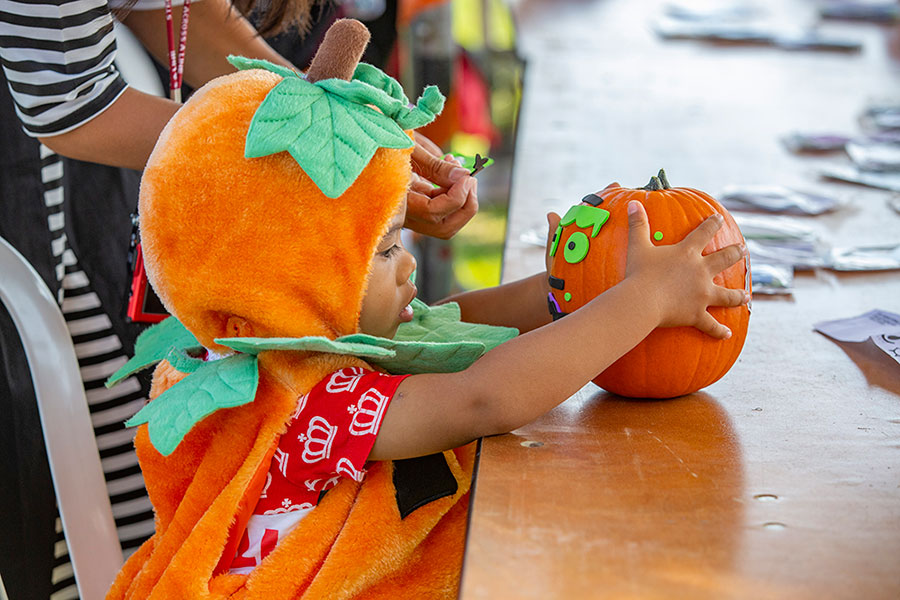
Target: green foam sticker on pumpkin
x=586 y=216
x=556 y=235
x=577 y=247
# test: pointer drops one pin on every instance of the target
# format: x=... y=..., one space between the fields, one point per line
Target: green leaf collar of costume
x=435 y=341
x=330 y=127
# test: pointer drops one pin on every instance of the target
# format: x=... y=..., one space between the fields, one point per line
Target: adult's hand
x=439 y=211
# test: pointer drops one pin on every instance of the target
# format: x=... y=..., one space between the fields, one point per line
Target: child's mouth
x=406 y=315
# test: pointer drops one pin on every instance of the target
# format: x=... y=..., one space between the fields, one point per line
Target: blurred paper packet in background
x=881 y=326
x=777 y=199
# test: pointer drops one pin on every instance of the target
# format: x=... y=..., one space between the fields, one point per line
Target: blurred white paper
x=865 y=258
x=853 y=174
x=881 y=326
x=776 y=198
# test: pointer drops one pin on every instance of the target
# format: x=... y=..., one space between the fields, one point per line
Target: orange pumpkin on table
x=588 y=256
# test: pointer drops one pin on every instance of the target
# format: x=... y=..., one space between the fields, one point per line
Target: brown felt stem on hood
x=339 y=52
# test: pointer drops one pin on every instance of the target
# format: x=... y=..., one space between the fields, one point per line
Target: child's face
x=389 y=291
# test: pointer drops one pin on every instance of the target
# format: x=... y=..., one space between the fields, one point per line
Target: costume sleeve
x=334 y=428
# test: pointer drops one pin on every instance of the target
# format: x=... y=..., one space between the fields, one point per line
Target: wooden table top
x=782 y=480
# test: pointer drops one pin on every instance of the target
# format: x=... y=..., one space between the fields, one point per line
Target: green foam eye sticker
x=577 y=247
x=556 y=235
x=658 y=236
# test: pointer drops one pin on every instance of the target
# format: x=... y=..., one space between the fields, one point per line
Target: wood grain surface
x=782 y=480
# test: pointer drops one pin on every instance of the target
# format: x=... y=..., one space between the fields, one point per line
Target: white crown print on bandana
x=346 y=467
x=316 y=485
x=344 y=380
x=318 y=440
x=367 y=413
x=281 y=457
x=301 y=404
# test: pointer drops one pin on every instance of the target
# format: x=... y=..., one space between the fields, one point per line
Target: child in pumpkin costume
x=286 y=276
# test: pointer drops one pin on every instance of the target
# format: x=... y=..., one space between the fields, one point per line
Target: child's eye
x=390 y=251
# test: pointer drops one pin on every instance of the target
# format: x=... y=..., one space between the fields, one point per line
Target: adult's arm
x=124 y=134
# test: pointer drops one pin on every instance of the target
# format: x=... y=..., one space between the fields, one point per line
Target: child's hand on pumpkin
x=553 y=220
x=443 y=210
x=679 y=276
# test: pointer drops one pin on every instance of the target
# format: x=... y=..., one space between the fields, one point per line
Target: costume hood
x=224 y=235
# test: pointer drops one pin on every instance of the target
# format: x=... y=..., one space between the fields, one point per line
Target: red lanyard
x=176 y=63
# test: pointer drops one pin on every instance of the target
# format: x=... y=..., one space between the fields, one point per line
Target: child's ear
x=238 y=327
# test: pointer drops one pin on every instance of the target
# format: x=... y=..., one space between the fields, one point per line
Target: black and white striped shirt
x=57 y=56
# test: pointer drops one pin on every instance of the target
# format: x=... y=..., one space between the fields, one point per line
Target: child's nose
x=409 y=265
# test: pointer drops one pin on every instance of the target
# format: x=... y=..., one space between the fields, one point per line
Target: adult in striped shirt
x=62 y=99
x=71 y=221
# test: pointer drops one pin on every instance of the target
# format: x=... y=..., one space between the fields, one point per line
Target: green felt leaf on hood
x=309 y=344
x=242 y=63
x=442 y=323
x=217 y=384
x=153 y=345
x=330 y=137
x=435 y=341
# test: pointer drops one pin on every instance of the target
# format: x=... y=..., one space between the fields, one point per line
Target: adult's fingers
x=429 y=204
x=432 y=167
x=427 y=144
x=720 y=260
x=708 y=325
x=428 y=215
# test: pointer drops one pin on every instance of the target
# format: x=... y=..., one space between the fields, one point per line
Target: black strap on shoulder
x=422 y=480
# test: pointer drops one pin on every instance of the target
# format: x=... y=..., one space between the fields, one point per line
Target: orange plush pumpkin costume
x=235 y=244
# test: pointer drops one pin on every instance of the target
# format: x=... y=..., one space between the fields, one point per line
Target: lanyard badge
x=144 y=306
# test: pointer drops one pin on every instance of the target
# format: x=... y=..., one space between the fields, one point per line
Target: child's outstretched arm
x=521 y=304
x=664 y=286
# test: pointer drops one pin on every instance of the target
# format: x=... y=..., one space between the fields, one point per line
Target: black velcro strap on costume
x=592 y=199
x=419 y=481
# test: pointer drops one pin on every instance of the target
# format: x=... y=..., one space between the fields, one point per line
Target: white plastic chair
x=69 y=436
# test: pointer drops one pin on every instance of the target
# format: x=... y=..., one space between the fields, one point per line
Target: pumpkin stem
x=657 y=182
x=663 y=180
x=654 y=185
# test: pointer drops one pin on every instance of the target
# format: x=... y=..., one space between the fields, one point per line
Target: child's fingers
x=553 y=220
x=708 y=325
x=614 y=184
x=638 y=226
x=729 y=297
x=552 y=223
x=700 y=236
x=722 y=259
